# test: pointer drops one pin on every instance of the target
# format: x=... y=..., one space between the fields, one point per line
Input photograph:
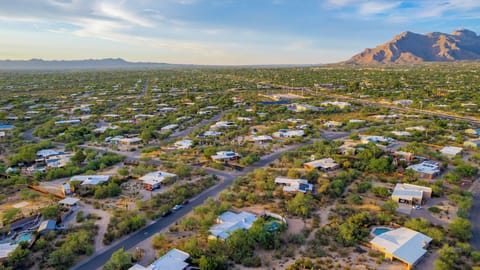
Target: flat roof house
x=427 y=169
x=288 y=133
x=229 y=222
x=223 y=125
x=451 y=151
x=68 y=122
x=324 y=164
x=411 y=194
x=171 y=127
x=294 y=185
x=403 y=244
x=154 y=179
x=172 y=260
x=225 y=156
x=260 y=139
x=91 y=180
x=183 y=144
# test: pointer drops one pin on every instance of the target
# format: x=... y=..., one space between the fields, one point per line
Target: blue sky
x=219 y=31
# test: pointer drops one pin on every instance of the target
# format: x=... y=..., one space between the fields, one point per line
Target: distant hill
x=409 y=47
x=108 y=63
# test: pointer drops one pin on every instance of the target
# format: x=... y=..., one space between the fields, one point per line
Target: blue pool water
x=24 y=237
x=378 y=231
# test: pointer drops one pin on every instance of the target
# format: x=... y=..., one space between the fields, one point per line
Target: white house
x=175 y=259
x=339 y=104
x=451 y=151
x=411 y=194
x=225 y=156
x=91 y=180
x=294 y=185
x=428 y=169
x=171 y=127
x=288 y=133
x=332 y=124
x=223 y=125
x=183 y=144
x=229 y=222
x=209 y=133
x=401 y=133
x=153 y=180
x=324 y=164
x=403 y=244
x=260 y=139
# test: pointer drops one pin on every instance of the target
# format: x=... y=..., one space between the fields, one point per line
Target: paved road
x=28 y=135
x=474 y=216
x=144 y=89
x=162 y=223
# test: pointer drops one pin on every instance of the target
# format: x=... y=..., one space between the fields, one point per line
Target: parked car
x=177 y=207
x=416 y=207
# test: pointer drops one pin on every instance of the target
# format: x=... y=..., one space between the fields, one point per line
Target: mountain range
x=108 y=63
x=409 y=48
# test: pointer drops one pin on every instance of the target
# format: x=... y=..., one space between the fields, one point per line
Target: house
x=451 y=151
x=47 y=226
x=69 y=201
x=2 y=134
x=324 y=164
x=416 y=128
x=428 y=169
x=473 y=131
x=167 y=128
x=332 y=124
x=229 y=222
x=103 y=129
x=172 y=260
x=6 y=127
x=356 y=121
x=288 y=133
x=339 y=104
x=411 y=194
x=401 y=133
x=153 y=180
x=403 y=244
x=242 y=118
x=376 y=139
x=68 y=122
x=403 y=102
x=223 y=125
x=260 y=139
x=209 y=133
x=475 y=144
x=46 y=153
x=126 y=141
x=303 y=108
x=183 y=144
x=294 y=185
x=225 y=156
x=91 y=180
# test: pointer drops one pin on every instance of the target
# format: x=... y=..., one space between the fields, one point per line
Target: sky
x=226 y=32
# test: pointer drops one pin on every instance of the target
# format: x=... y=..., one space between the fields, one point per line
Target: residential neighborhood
x=203 y=169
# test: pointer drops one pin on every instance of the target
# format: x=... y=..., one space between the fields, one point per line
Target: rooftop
x=172 y=260
x=91 y=179
x=325 y=163
x=409 y=191
x=230 y=221
x=156 y=177
x=404 y=244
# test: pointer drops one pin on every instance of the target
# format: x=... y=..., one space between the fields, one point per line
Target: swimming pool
x=24 y=237
x=379 y=230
